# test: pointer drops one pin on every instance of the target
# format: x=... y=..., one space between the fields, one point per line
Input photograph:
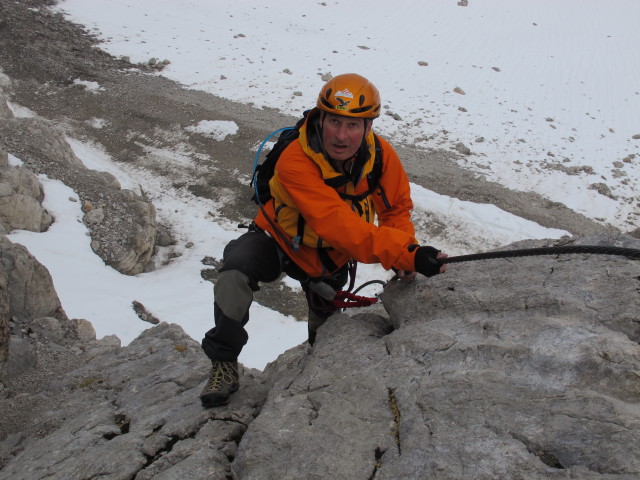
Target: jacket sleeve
x=334 y=221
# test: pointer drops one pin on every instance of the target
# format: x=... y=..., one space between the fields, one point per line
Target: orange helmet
x=350 y=95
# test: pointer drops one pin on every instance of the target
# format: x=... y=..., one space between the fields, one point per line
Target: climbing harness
x=349 y=300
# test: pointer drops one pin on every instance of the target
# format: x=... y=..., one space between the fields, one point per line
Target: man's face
x=342 y=136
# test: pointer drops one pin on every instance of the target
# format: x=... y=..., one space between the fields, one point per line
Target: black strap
x=299 y=232
x=326 y=260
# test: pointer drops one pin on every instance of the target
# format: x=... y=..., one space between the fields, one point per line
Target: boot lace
x=222 y=373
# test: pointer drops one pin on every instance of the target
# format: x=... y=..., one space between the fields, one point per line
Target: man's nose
x=341 y=132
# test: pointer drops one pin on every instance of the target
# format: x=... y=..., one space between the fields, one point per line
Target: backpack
x=263 y=172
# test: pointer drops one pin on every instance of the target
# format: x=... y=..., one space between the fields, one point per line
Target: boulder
x=123 y=230
x=38 y=139
x=21 y=200
x=28 y=289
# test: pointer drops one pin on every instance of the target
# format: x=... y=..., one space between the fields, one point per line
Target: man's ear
x=368 y=123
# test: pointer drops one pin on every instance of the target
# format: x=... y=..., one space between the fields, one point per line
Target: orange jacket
x=334 y=224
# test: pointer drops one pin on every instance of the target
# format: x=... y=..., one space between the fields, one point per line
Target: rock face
x=525 y=368
x=133 y=413
x=511 y=369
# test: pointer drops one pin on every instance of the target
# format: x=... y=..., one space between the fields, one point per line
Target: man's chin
x=340 y=155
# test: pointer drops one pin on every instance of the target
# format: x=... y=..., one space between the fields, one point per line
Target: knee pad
x=233 y=294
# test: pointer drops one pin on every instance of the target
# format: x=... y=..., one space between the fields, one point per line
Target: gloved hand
x=426 y=262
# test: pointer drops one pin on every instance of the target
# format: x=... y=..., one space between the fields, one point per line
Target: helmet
x=350 y=95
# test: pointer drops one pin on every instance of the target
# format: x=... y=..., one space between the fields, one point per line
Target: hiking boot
x=223 y=381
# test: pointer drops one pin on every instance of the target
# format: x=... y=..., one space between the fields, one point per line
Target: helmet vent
x=328 y=94
x=362 y=100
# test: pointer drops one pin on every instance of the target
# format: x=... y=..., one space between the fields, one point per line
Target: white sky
x=544 y=81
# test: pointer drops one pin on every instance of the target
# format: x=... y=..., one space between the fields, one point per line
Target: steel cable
x=560 y=250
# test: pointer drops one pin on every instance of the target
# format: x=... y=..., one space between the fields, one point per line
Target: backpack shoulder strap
x=376 y=171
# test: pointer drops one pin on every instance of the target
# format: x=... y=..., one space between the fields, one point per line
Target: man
x=327 y=189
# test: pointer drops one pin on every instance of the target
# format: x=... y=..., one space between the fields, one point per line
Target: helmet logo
x=344 y=105
x=344 y=93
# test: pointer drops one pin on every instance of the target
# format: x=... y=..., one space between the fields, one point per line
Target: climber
x=328 y=186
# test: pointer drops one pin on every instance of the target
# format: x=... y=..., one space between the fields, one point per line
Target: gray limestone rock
x=29 y=289
x=125 y=230
x=21 y=201
x=520 y=368
x=133 y=412
x=21 y=356
x=512 y=369
x=35 y=136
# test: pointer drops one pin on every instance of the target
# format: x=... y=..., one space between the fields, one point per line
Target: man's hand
x=426 y=261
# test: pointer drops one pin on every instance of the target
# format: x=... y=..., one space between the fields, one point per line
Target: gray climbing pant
x=252 y=258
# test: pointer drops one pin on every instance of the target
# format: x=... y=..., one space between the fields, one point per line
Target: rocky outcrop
x=20 y=199
x=122 y=223
x=26 y=293
x=37 y=340
x=123 y=230
x=520 y=368
x=27 y=286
